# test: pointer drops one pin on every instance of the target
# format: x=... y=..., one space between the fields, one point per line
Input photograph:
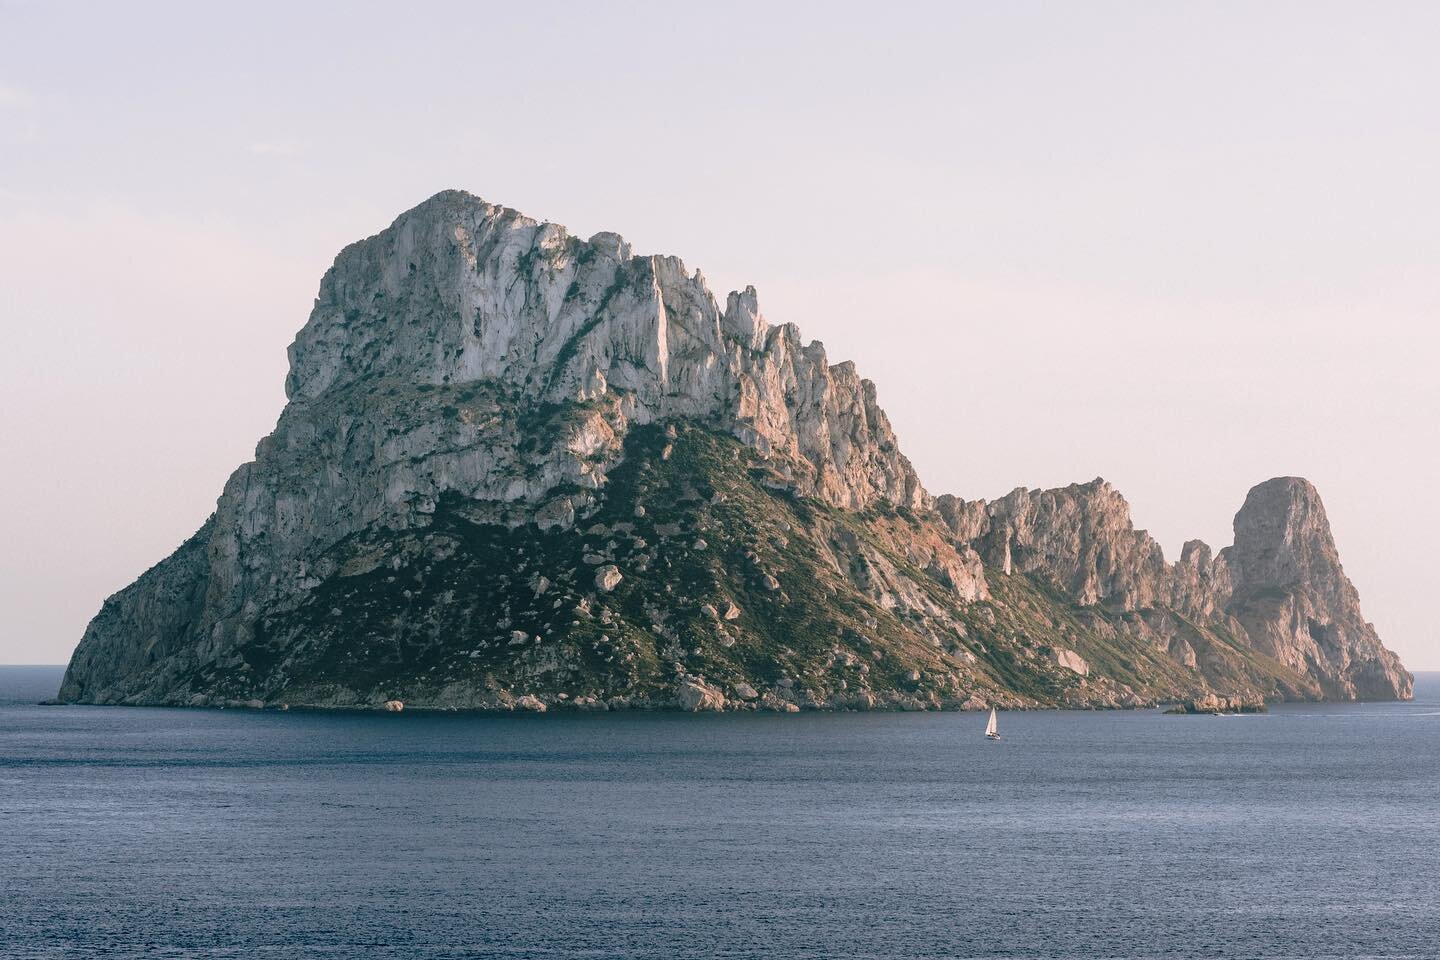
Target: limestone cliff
x=1280 y=590
x=520 y=469
x=1291 y=596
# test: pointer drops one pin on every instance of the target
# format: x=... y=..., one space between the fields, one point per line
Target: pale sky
x=1183 y=246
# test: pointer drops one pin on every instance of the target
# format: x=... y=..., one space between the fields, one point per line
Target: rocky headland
x=523 y=471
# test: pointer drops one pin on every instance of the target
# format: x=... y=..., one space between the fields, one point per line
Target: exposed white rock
x=608 y=577
x=1071 y=660
x=697 y=695
x=436 y=347
x=1280 y=587
x=486 y=309
x=1294 y=601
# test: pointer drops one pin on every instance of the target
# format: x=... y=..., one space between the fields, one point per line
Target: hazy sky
x=1183 y=246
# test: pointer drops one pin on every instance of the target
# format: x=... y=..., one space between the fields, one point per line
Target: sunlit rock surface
x=521 y=470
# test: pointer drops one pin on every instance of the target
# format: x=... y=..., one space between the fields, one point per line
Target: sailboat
x=992 y=729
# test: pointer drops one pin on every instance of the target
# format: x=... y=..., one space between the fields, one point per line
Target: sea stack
x=521 y=470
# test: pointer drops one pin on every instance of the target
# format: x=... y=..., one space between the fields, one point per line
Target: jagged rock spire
x=1280 y=587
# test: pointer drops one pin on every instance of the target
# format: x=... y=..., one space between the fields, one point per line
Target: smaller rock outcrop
x=1071 y=660
x=745 y=692
x=1280 y=590
x=608 y=577
x=1081 y=536
x=1215 y=704
x=1294 y=601
x=695 y=695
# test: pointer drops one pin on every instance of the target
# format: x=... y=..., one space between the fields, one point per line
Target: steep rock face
x=144 y=630
x=1080 y=535
x=684 y=574
x=470 y=351
x=1279 y=590
x=1294 y=600
x=442 y=350
x=518 y=470
x=462 y=291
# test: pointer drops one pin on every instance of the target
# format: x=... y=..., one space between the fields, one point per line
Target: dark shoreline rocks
x=1214 y=705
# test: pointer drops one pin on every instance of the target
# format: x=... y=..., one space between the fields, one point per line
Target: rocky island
x=521 y=470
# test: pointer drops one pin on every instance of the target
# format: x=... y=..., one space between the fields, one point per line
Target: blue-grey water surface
x=1310 y=832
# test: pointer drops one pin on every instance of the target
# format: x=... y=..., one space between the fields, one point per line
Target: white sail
x=993 y=727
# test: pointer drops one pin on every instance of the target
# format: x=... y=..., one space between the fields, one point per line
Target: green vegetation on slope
x=726 y=576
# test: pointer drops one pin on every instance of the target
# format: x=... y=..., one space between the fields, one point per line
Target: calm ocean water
x=1312 y=832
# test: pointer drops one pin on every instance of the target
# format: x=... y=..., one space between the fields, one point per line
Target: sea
x=1311 y=832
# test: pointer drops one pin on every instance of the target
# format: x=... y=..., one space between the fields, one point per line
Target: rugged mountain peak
x=1196 y=553
x=460 y=291
x=1080 y=535
x=1291 y=594
x=472 y=360
x=742 y=319
x=1280 y=587
x=1282 y=537
x=518 y=468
